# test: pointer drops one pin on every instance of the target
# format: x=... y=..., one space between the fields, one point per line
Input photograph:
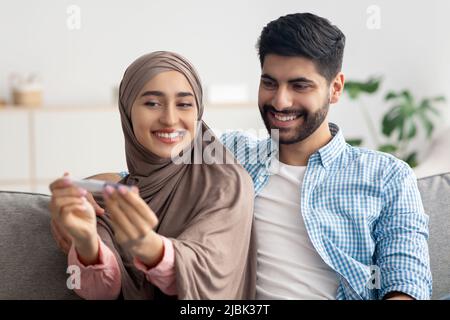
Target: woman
x=183 y=229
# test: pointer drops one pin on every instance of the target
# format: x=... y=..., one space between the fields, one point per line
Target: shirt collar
x=333 y=149
x=327 y=154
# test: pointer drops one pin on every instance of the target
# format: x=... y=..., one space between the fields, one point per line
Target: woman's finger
x=116 y=213
x=98 y=210
x=60 y=182
x=57 y=203
x=61 y=242
x=139 y=205
x=141 y=226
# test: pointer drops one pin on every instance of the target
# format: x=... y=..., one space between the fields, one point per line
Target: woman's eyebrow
x=184 y=94
x=161 y=94
x=153 y=93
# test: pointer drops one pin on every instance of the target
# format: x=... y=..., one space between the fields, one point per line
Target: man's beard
x=311 y=122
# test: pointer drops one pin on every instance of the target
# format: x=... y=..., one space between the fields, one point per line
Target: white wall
x=411 y=50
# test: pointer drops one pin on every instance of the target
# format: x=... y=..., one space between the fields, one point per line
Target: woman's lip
x=166 y=130
x=282 y=124
x=169 y=140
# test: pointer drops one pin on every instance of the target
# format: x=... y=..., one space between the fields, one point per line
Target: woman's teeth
x=285 y=118
x=172 y=135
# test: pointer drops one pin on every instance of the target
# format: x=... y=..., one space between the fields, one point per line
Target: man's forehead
x=285 y=68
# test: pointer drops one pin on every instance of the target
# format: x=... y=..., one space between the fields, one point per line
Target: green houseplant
x=401 y=123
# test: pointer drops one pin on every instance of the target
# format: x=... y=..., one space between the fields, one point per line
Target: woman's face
x=164 y=114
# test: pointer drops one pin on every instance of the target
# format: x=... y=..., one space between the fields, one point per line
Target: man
x=332 y=221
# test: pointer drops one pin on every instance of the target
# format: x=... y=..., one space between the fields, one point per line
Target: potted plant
x=401 y=123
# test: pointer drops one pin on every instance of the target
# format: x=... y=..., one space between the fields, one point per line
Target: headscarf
x=206 y=210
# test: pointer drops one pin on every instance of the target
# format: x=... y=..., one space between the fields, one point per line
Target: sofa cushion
x=31 y=265
x=435 y=192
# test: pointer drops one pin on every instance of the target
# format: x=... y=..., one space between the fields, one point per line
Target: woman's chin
x=167 y=150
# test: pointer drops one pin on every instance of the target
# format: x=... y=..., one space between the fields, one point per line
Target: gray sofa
x=32 y=267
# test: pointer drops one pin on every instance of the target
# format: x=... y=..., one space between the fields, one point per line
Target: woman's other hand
x=133 y=223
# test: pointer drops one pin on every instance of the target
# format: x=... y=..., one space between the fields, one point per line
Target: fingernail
x=135 y=189
x=109 y=190
x=82 y=191
x=123 y=189
x=105 y=195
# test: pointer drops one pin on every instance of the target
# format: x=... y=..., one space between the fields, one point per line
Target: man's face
x=293 y=97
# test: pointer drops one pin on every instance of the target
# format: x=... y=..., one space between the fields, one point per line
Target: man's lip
x=288 y=113
x=283 y=124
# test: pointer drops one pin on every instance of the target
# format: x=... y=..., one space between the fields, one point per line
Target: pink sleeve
x=101 y=281
x=163 y=274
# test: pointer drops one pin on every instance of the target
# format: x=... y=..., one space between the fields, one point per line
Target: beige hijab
x=206 y=210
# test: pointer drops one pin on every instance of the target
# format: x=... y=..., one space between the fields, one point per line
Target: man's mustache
x=286 y=111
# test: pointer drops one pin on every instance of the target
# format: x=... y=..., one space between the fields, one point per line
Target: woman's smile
x=169 y=135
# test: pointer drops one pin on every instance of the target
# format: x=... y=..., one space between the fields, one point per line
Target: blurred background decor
x=403 y=121
x=26 y=90
x=77 y=128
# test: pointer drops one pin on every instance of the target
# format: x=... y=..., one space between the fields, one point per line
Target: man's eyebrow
x=299 y=79
x=266 y=76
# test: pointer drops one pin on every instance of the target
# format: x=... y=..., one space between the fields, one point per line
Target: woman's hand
x=61 y=236
x=74 y=218
x=133 y=222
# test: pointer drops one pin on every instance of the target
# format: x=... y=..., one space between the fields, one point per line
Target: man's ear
x=337 y=87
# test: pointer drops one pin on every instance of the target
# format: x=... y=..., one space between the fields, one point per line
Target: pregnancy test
x=95 y=186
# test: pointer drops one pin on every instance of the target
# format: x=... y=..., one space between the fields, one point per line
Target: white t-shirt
x=288 y=265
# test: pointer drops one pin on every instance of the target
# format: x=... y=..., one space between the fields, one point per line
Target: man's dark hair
x=305 y=35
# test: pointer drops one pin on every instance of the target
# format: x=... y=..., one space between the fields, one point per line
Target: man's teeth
x=172 y=135
x=285 y=118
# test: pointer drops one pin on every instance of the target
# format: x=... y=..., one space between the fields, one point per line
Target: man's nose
x=282 y=99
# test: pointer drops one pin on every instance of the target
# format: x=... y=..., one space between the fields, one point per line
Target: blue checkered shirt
x=363 y=213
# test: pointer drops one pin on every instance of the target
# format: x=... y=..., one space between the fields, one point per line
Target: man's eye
x=300 y=86
x=268 y=84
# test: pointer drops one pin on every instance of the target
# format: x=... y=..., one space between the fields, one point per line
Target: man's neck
x=298 y=154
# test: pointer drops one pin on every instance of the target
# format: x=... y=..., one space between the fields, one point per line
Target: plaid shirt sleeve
x=401 y=235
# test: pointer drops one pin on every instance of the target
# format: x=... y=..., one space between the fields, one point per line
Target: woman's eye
x=185 y=105
x=151 y=104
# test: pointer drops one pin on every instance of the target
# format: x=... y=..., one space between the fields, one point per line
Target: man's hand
x=395 y=295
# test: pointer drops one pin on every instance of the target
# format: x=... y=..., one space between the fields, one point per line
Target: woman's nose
x=169 y=116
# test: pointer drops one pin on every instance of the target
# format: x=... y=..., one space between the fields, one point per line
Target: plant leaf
x=354 y=142
x=411 y=159
x=391 y=95
x=393 y=120
x=388 y=148
x=412 y=130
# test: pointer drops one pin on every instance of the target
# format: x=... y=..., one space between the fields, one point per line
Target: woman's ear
x=337 y=87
